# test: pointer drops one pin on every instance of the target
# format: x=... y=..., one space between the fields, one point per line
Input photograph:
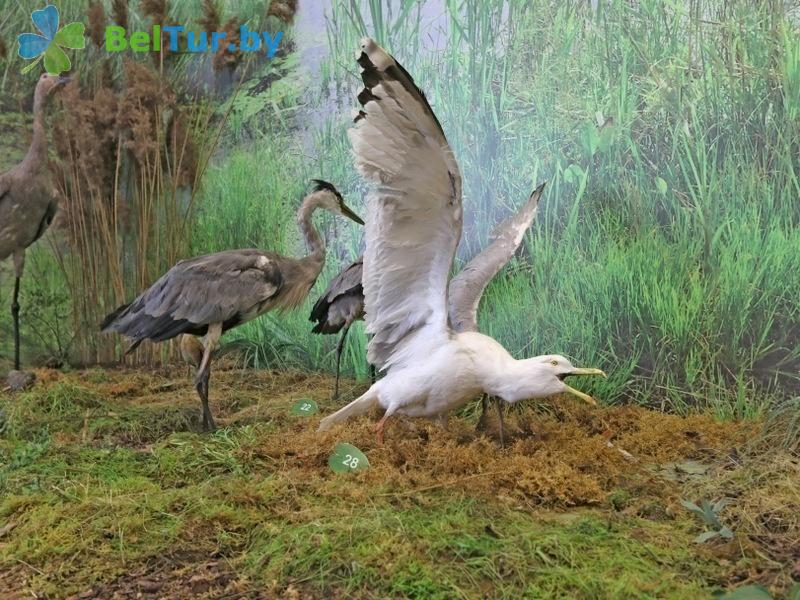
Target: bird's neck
x=38 y=150
x=312 y=237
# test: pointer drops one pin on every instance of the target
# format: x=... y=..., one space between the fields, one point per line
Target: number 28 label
x=347 y=458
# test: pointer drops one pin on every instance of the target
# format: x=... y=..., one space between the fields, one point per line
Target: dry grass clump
x=158 y=11
x=559 y=459
x=212 y=20
x=566 y=462
x=666 y=437
x=145 y=101
x=225 y=58
x=212 y=17
x=88 y=137
x=136 y=431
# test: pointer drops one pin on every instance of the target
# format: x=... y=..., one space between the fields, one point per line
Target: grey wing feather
x=467 y=288
x=414 y=212
x=342 y=302
x=344 y=282
x=227 y=287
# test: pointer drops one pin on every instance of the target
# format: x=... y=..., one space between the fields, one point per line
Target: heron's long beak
x=585 y=397
x=351 y=215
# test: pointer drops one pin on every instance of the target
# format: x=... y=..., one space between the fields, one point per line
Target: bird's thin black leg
x=202 y=391
x=498 y=402
x=482 y=419
x=339 y=349
x=15 y=319
x=372 y=376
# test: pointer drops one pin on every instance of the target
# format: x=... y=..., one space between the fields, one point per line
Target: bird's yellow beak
x=588 y=372
x=585 y=397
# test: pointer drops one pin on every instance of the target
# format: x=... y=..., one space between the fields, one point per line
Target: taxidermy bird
x=339 y=306
x=208 y=295
x=466 y=289
x=414 y=219
x=28 y=200
x=343 y=302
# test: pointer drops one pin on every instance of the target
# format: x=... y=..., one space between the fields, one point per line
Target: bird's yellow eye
x=554 y=363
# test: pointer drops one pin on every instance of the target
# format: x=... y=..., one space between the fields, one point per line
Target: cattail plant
x=119 y=12
x=158 y=11
x=283 y=10
x=97 y=23
x=133 y=159
x=211 y=20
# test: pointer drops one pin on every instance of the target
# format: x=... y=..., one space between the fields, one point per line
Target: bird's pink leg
x=379 y=427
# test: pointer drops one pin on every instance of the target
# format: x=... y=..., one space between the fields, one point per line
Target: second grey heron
x=339 y=306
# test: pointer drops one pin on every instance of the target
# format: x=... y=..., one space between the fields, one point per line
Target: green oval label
x=304 y=407
x=347 y=458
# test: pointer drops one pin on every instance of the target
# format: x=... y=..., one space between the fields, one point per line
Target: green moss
x=619 y=498
x=89 y=507
x=96 y=511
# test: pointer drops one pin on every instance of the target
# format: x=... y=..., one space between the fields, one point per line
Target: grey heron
x=339 y=306
x=414 y=220
x=28 y=200
x=208 y=295
x=343 y=302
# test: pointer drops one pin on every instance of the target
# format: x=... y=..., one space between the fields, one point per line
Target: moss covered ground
x=110 y=491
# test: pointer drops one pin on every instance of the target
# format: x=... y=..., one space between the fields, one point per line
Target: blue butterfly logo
x=48 y=45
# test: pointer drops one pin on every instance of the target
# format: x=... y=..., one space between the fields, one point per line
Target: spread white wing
x=414 y=212
x=467 y=288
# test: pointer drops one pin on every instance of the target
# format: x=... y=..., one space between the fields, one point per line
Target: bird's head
x=553 y=369
x=332 y=200
x=50 y=83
